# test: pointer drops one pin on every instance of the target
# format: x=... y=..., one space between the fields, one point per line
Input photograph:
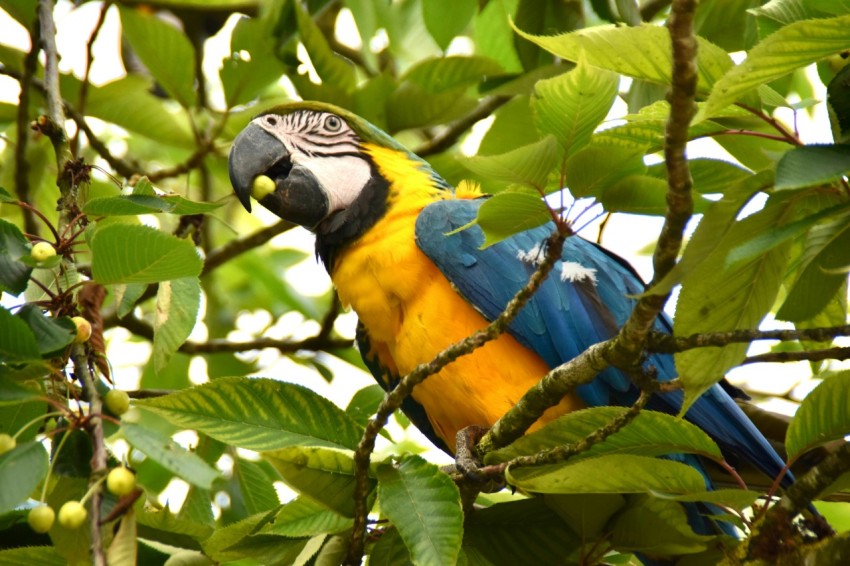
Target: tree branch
x=393 y=400
x=446 y=139
x=811 y=355
x=22 y=129
x=668 y=344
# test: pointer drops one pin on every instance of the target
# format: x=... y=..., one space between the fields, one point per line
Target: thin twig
x=449 y=137
x=565 y=452
x=810 y=355
x=393 y=400
x=84 y=87
x=668 y=344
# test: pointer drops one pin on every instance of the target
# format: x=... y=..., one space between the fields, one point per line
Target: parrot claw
x=468 y=464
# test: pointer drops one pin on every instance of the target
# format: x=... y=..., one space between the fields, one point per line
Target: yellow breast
x=412 y=313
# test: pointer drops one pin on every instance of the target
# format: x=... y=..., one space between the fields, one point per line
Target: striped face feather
x=324 y=144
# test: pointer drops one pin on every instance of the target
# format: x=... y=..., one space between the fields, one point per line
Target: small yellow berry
x=42 y=251
x=117 y=402
x=72 y=514
x=121 y=481
x=83 y=329
x=41 y=518
x=262 y=187
x=6 y=443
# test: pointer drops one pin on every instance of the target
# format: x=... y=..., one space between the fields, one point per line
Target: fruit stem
x=52 y=462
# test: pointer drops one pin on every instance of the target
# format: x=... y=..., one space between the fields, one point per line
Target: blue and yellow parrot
x=386 y=230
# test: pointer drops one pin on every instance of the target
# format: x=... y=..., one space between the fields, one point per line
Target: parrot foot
x=466 y=461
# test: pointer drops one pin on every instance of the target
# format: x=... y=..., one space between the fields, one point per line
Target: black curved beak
x=254 y=152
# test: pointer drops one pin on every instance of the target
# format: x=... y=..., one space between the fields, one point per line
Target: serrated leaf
x=390 y=550
x=124 y=253
x=17 y=342
x=649 y=434
x=529 y=165
x=656 y=527
x=258 y=414
x=717 y=297
x=572 y=105
x=21 y=470
x=823 y=416
x=170 y=455
x=51 y=334
x=795 y=45
x=827 y=255
x=14 y=275
x=165 y=51
x=243 y=77
x=365 y=402
x=597 y=167
x=5 y=196
x=519 y=532
x=612 y=473
x=182 y=205
x=325 y=475
x=222 y=539
x=424 y=505
x=508 y=213
x=442 y=28
x=123 y=549
x=738 y=499
x=441 y=75
x=330 y=67
x=648 y=48
x=255 y=486
x=302 y=517
x=177 y=304
x=13 y=393
x=41 y=555
x=126 y=297
x=812 y=165
x=126 y=205
x=838 y=105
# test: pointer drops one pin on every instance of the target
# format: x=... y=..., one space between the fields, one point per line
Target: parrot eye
x=332 y=123
x=271 y=120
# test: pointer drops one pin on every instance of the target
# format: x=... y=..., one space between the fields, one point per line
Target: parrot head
x=305 y=162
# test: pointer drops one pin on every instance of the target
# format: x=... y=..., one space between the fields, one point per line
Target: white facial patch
x=576 y=272
x=342 y=177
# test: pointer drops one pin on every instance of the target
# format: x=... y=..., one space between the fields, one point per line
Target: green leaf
x=21 y=470
x=302 y=517
x=255 y=486
x=648 y=48
x=586 y=514
x=258 y=414
x=5 y=196
x=126 y=297
x=446 y=19
x=612 y=473
x=795 y=45
x=123 y=550
x=508 y=213
x=718 y=297
x=838 y=105
x=126 y=205
x=441 y=75
x=640 y=194
x=826 y=257
x=13 y=393
x=165 y=51
x=41 y=555
x=365 y=403
x=182 y=205
x=572 y=105
x=812 y=165
x=222 y=540
x=598 y=167
x=529 y=165
x=17 y=342
x=424 y=505
x=14 y=275
x=252 y=65
x=330 y=67
x=390 y=550
x=739 y=499
x=823 y=416
x=325 y=475
x=520 y=532
x=649 y=434
x=170 y=455
x=51 y=334
x=411 y=106
x=124 y=253
x=177 y=304
x=656 y=527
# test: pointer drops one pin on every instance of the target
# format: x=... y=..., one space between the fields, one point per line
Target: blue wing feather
x=564 y=318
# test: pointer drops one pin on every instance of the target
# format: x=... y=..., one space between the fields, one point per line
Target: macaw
x=386 y=227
